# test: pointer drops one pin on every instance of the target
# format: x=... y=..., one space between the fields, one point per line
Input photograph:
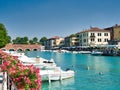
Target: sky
x=49 y=18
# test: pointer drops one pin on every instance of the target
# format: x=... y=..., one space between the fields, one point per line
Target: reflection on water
x=59 y=85
x=98 y=64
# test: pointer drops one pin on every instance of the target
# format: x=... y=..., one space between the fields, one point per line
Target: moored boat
x=96 y=53
x=53 y=75
x=85 y=52
x=49 y=71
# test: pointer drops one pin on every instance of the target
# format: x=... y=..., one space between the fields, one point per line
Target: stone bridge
x=22 y=47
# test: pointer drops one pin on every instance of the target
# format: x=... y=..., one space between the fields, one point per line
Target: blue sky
x=38 y=18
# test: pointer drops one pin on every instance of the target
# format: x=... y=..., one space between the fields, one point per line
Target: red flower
x=20 y=74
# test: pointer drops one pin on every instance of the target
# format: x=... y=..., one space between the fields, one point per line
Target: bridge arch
x=11 y=49
x=34 y=49
x=27 y=49
x=3 y=49
x=19 y=49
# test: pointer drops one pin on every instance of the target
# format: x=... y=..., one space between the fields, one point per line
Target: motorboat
x=94 y=52
x=49 y=71
x=56 y=74
x=85 y=52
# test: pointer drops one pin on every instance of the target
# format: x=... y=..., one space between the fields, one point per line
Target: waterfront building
x=115 y=32
x=93 y=37
x=71 y=41
x=53 y=43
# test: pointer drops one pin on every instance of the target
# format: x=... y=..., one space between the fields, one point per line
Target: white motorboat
x=96 y=53
x=49 y=71
x=85 y=52
x=31 y=60
x=56 y=74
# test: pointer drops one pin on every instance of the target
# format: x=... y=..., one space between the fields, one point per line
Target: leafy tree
x=9 y=39
x=72 y=35
x=35 y=39
x=20 y=40
x=13 y=41
x=42 y=40
x=31 y=41
x=26 y=39
x=3 y=36
x=17 y=40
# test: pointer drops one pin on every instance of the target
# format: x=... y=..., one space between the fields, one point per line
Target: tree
x=42 y=40
x=72 y=35
x=20 y=40
x=31 y=41
x=16 y=41
x=24 y=40
x=35 y=39
x=9 y=39
x=3 y=36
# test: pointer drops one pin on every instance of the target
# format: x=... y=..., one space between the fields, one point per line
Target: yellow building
x=54 y=43
x=115 y=32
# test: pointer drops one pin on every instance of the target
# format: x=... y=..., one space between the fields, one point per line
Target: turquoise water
x=84 y=79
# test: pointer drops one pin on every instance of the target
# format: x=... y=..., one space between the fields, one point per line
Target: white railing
x=4 y=82
x=7 y=83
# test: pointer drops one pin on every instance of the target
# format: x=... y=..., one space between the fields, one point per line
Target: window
x=77 y=35
x=105 y=40
x=86 y=34
x=99 y=40
x=84 y=40
x=99 y=34
x=92 y=39
x=92 y=34
x=80 y=36
x=83 y=35
x=80 y=41
x=105 y=34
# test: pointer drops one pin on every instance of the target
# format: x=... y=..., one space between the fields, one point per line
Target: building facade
x=93 y=37
x=54 y=43
x=115 y=32
x=71 y=41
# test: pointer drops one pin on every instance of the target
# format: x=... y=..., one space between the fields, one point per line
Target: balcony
x=92 y=36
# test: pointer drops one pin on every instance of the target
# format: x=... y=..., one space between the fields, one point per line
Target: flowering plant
x=29 y=76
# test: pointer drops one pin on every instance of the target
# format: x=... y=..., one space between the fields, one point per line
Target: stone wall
x=23 y=47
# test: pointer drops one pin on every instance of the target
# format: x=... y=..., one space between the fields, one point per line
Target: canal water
x=91 y=72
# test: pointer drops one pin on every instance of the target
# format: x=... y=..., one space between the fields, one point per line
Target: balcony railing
x=92 y=36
